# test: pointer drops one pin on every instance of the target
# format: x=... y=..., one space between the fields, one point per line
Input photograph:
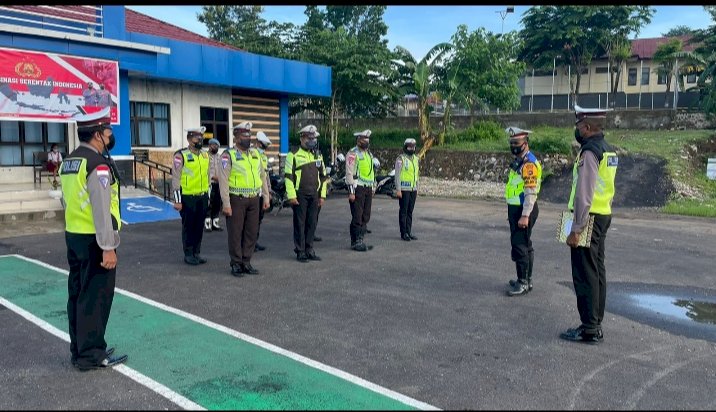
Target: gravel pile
x=461 y=189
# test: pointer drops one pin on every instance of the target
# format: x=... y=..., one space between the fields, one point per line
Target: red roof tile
x=645 y=48
x=141 y=23
x=82 y=13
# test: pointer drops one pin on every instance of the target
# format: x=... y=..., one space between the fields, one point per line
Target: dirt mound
x=641 y=181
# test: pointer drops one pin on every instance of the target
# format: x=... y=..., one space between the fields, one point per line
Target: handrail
x=151 y=187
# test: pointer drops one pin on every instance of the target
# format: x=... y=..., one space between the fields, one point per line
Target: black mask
x=111 y=143
x=409 y=151
x=363 y=144
x=245 y=143
x=578 y=137
x=517 y=149
x=197 y=145
x=213 y=151
x=311 y=144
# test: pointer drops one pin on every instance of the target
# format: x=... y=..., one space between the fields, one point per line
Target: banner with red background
x=54 y=87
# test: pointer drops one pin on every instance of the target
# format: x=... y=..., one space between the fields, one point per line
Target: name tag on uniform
x=404 y=184
x=613 y=161
x=71 y=166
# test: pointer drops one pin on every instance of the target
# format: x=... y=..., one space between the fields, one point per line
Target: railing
x=153 y=184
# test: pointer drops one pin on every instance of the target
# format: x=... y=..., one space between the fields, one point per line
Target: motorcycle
x=384 y=184
x=337 y=175
x=279 y=199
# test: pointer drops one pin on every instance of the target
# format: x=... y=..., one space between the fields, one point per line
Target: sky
x=418 y=28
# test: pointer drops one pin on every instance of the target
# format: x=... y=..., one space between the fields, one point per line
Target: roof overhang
x=100 y=41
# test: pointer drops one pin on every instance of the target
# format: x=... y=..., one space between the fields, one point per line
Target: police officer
x=360 y=178
x=190 y=183
x=521 y=191
x=90 y=188
x=406 y=187
x=306 y=191
x=243 y=178
x=262 y=143
x=593 y=177
x=212 y=220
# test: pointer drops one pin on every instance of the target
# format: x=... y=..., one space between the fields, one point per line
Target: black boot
x=529 y=269
x=198 y=257
x=189 y=258
x=519 y=288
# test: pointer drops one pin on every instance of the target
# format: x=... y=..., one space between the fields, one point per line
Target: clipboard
x=565 y=228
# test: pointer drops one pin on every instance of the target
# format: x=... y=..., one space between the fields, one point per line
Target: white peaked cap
x=365 y=133
x=310 y=129
x=582 y=112
x=92 y=119
x=201 y=130
x=513 y=131
x=409 y=140
x=243 y=126
x=261 y=137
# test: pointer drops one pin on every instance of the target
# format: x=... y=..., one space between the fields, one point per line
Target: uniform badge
x=178 y=161
x=103 y=175
x=318 y=163
x=224 y=160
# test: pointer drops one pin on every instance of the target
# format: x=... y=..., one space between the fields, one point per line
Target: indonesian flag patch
x=178 y=161
x=224 y=160
x=103 y=175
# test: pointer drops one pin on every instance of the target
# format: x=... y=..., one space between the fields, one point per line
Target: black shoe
x=191 y=260
x=361 y=247
x=518 y=289
x=413 y=237
x=368 y=231
x=259 y=247
x=108 y=351
x=108 y=362
x=405 y=238
x=312 y=256
x=529 y=283
x=247 y=268
x=301 y=257
x=216 y=228
x=199 y=258
x=317 y=238
x=237 y=271
x=581 y=335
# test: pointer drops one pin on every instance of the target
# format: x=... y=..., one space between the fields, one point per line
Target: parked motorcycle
x=279 y=199
x=337 y=174
x=384 y=184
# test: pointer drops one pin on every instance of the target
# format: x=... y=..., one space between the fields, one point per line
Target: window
x=631 y=81
x=645 y=76
x=19 y=140
x=585 y=70
x=216 y=121
x=601 y=70
x=661 y=78
x=149 y=124
x=691 y=78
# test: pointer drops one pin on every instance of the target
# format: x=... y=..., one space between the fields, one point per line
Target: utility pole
x=503 y=15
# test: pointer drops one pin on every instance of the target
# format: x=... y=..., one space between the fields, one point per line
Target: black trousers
x=193 y=212
x=214 y=201
x=360 y=212
x=405 y=214
x=243 y=228
x=305 y=218
x=590 y=275
x=90 y=290
x=261 y=217
x=520 y=239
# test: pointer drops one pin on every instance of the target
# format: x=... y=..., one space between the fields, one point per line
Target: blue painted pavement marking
x=146 y=209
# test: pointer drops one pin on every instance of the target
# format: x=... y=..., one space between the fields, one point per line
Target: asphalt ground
x=428 y=319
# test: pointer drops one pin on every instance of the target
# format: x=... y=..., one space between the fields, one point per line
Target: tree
x=665 y=56
x=680 y=30
x=415 y=77
x=703 y=61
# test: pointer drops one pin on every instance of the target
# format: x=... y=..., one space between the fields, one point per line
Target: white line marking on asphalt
x=123 y=369
x=268 y=346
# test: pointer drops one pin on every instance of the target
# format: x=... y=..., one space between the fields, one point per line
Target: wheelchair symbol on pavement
x=133 y=207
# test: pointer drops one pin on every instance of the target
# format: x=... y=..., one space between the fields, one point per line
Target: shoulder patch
x=103 y=175
x=178 y=160
x=529 y=175
x=225 y=159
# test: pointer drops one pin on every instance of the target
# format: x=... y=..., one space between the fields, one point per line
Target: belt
x=197 y=194
x=243 y=196
x=364 y=184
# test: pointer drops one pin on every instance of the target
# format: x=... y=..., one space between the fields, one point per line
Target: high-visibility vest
x=245 y=177
x=604 y=190
x=73 y=175
x=295 y=161
x=364 y=171
x=195 y=173
x=530 y=173
x=409 y=172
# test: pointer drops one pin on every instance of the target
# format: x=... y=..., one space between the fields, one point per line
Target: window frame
x=631 y=78
x=134 y=124
x=647 y=70
x=62 y=145
x=211 y=124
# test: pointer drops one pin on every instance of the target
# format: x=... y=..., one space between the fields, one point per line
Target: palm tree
x=665 y=57
x=416 y=77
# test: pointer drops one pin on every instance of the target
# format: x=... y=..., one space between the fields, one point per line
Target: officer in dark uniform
x=190 y=183
x=595 y=169
x=521 y=192
x=211 y=223
x=262 y=143
x=90 y=188
x=306 y=191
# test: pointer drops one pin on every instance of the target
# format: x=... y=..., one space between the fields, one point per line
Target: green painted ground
x=209 y=367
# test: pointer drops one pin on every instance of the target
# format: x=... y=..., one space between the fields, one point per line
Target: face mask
x=214 y=150
x=517 y=149
x=578 y=136
x=54 y=150
x=197 y=145
x=244 y=143
x=363 y=144
x=409 y=150
x=311 y=144
x=109 y=146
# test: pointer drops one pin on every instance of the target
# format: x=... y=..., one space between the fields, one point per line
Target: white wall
x=184 y=101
